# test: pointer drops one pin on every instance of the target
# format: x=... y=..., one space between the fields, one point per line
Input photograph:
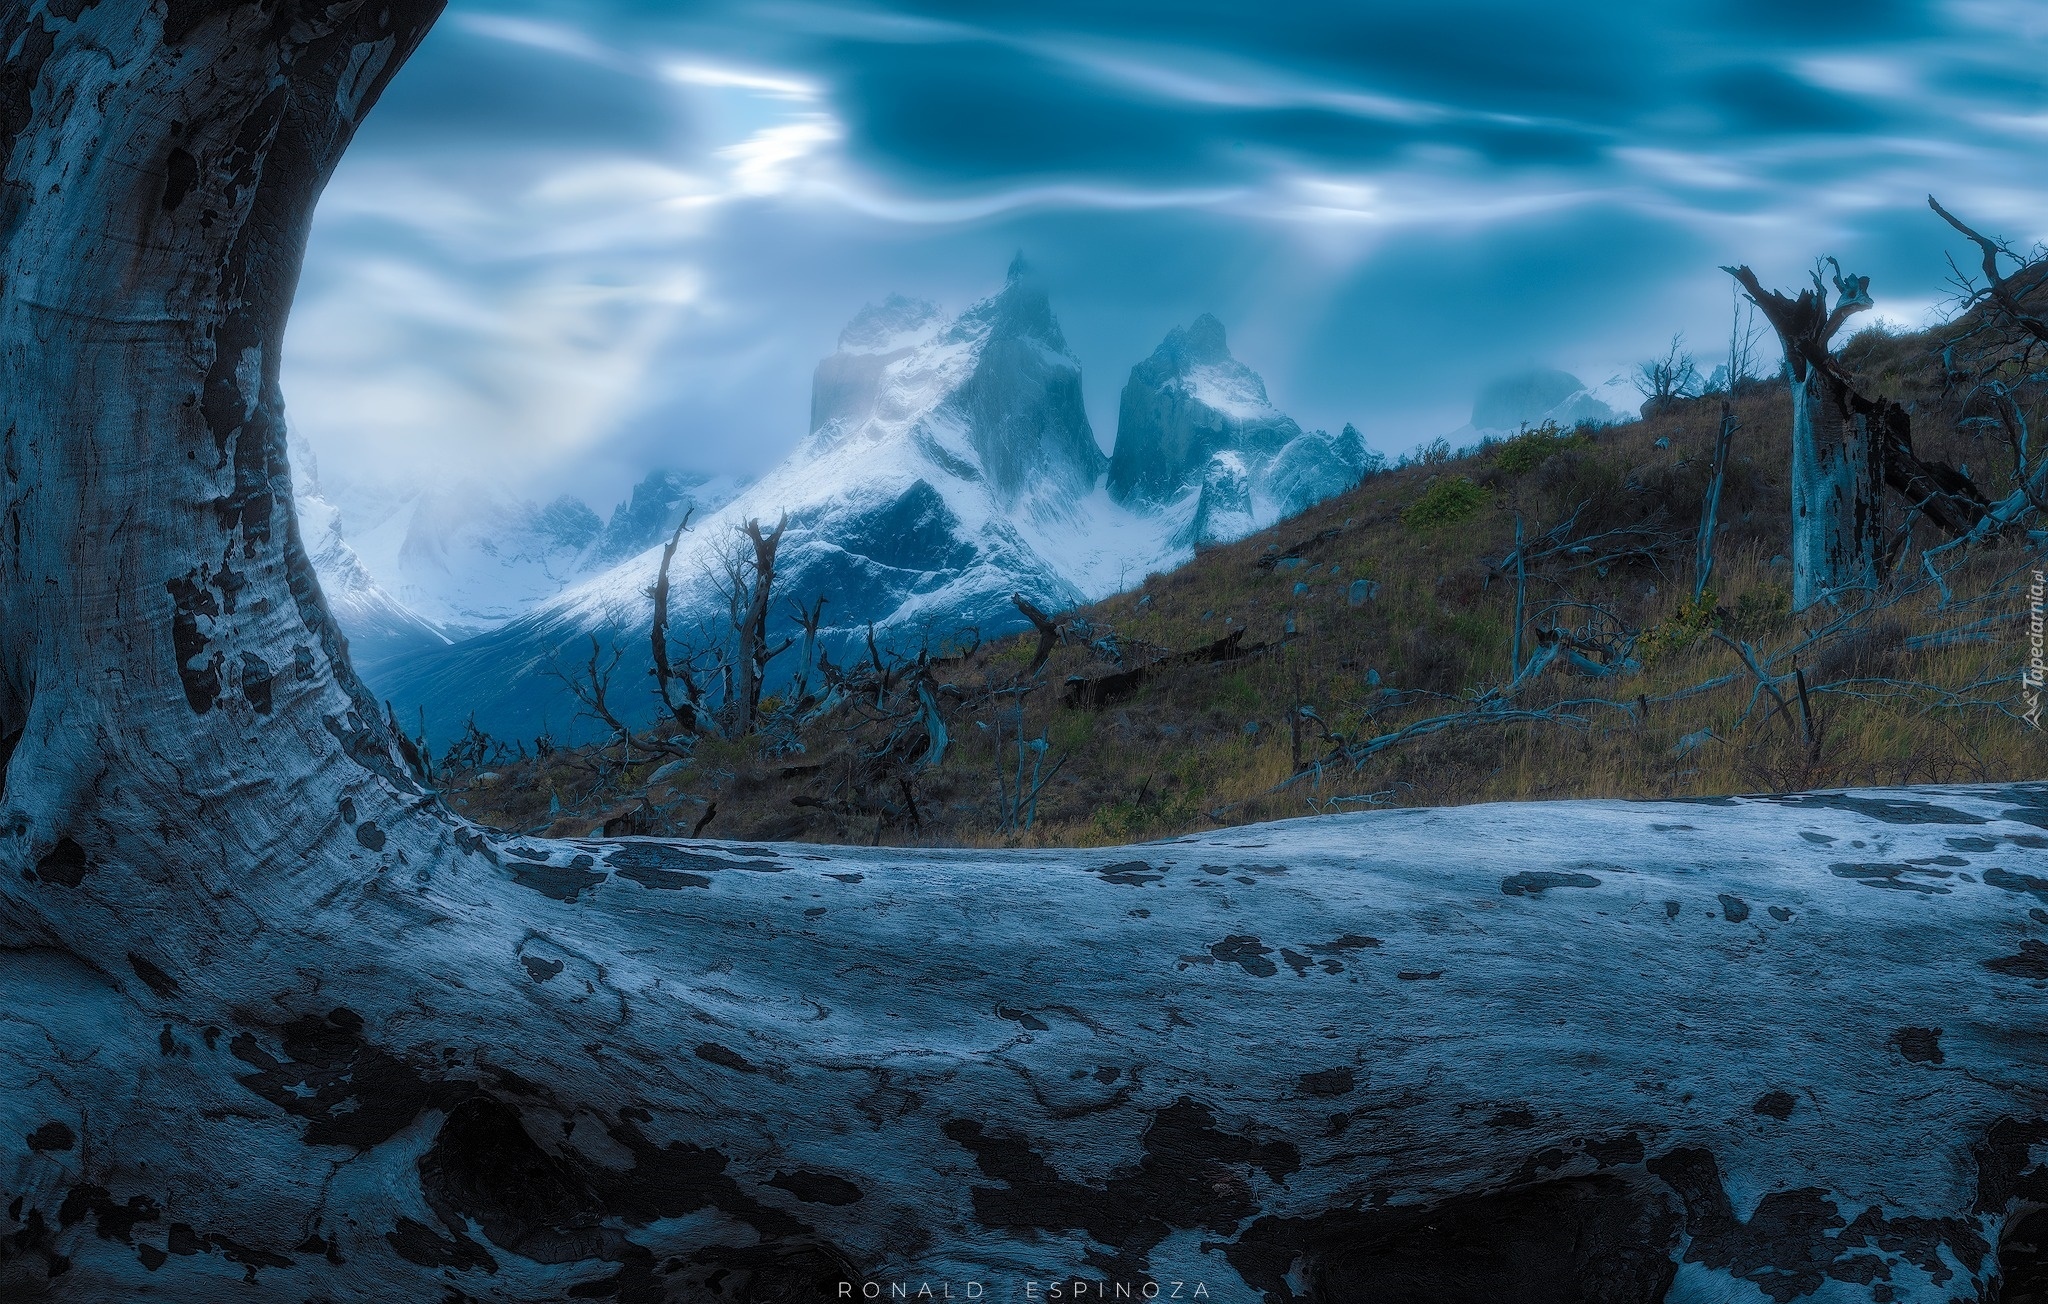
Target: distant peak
x=1199 y=343
x=1204 y=340
x=1021 y=309
x=880 y=328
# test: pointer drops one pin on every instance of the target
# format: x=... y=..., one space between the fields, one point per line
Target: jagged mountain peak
x=894 y=323
x=1188 y=401
x=991 y=397
x=658 y=502
x=1021 y=310
x=1198 y=438
x=1196 y=360
x=1200 y=343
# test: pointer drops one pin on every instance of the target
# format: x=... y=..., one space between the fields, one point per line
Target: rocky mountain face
x=646 y=519
x=1198 y=439
x=1021 y=404
x=1187 y=402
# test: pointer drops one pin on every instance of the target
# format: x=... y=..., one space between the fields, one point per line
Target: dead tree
x=1835 y=469
x=688 y=714
x=1049 y=630
x=1665 y=380
x=1846 y=448
x=754 y=654
x=2003 y=329
x=1743 y=337
x=1710 y=505
x=278 y=1027
x=810 y=620
x=2013 y=297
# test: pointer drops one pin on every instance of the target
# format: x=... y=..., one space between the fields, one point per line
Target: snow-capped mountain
x=1198 y=441
x=464 y=556
x=950 y=463
x=377 y=625
x=470 y=555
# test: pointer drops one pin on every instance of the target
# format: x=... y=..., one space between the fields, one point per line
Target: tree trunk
x=276 y=1026
x=1837 y=474
x=754 y=654
x=1836 y=483
x=1846 y=448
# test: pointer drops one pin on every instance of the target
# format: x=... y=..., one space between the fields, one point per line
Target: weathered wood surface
x=1793 y=1042
x=275 y=1026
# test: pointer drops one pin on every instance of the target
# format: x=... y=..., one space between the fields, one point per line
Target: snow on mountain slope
x=471 y=556
x=377 y=625
x=949 y=465
x=464 y=556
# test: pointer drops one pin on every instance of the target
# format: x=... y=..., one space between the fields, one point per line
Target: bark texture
x=1780 y=1048
x=274 y=1026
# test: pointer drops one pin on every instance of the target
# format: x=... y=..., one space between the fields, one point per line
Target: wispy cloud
x=573 y=239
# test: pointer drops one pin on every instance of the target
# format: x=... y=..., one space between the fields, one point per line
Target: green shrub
x=1148 y=811
x=1682 y=629
x=1448 y=500
x=1017 y=652
x=1532 y=448
x=1117 y=820
x=1760 y=610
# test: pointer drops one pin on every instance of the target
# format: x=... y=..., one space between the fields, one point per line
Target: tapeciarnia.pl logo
x=2037 y=669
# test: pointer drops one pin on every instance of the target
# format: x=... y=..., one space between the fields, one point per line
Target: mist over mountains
x=950 y=464
x=410 y=567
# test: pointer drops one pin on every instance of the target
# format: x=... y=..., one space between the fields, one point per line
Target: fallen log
x=1661 y=1049
x=1296 y=551
x=1082 y=692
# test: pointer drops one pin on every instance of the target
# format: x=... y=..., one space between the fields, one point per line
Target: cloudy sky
x=578 y=240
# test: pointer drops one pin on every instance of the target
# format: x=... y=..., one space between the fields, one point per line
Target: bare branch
x=1048 y=630
x=2001 y=289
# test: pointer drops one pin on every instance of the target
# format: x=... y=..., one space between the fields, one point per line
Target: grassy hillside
x=1388 y=616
